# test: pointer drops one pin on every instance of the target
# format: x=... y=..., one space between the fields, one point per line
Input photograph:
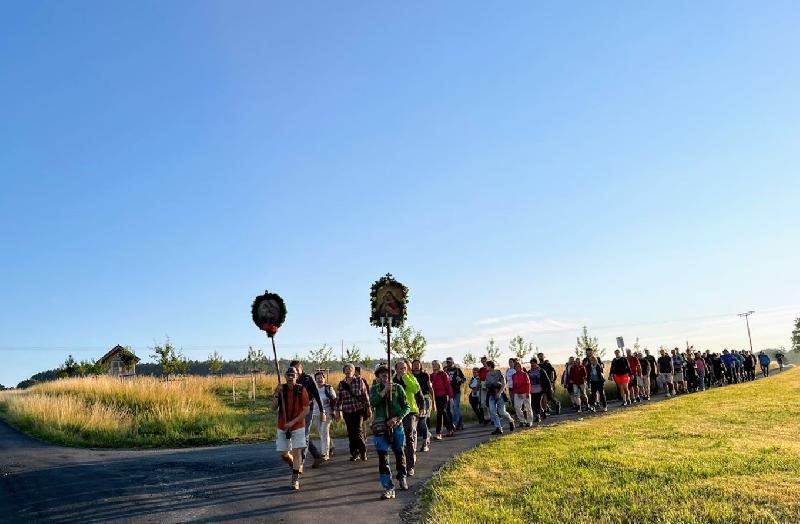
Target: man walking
x=387 y=428
x=457 y=378
x=310 y=385
x=291 y=402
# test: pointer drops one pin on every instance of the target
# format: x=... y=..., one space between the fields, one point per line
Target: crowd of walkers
x=399 y=421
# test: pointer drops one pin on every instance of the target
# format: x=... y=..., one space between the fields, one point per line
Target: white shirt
x=509 y=376
x=326 y=402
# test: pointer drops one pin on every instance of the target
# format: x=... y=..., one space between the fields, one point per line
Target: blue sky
x=525 y=169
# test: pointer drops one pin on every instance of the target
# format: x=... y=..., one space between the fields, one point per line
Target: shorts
x=621 y=379
x=298 y=440
x=679 y=377
x=633 y=381
x=666 y=378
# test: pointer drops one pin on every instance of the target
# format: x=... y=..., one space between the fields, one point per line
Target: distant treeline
x=195 y=367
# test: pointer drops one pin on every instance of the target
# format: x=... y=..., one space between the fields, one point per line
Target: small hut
x=120 y=362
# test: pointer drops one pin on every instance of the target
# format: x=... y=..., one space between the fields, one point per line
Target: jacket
x=441 y=384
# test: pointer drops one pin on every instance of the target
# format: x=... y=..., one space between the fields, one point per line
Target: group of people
x=398 y=420
x=398 y=403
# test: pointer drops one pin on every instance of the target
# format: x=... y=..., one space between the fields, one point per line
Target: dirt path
x=46 y=483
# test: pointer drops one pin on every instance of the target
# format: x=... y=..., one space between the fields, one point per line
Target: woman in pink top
x=442 y=393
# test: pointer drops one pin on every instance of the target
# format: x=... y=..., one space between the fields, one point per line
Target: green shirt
x=411 y=387
x=400 y=407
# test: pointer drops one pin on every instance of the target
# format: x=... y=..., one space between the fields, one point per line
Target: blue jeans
x=382 y=446
x=497 y=409
x=423 y=433
x=456 y=409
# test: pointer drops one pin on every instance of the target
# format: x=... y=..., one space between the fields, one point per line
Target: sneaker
x=511 y=426
x=363 y=456
x=410 y=472
x=426 y=446
x=451 y=433
x=438 y=437
x=387 y=494
x=497 y=431
x=537 y=418
x=353 y=458
x=605 y=408
x=295 y=481
x=403 y=484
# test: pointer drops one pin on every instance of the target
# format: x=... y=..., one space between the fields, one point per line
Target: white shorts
x=666 y=378
x=298 y=440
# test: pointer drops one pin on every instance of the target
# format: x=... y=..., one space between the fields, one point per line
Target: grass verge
x=731 y=454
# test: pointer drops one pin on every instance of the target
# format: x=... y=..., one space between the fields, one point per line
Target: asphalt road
x=41 y=482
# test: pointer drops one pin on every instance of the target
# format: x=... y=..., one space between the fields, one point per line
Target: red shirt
x=522 y=383
x=633 y=363
x=294 y=406
x=441 y=384
x=577 y=374
x=482 y=373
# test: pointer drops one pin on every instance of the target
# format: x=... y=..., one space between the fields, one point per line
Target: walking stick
x=390 y=433
x=278 y=371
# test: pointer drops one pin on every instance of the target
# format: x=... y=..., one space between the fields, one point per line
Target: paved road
x=45 y=483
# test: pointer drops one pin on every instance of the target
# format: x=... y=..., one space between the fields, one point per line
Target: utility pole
x=745 y=315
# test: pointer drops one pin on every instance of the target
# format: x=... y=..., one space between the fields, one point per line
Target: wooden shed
x=120 y=361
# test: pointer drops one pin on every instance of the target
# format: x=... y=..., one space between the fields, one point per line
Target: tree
x=215 y=363
x=180 y=364
x=321 y=355
x=408 y=343
x=586 y=343
x=519 y=348
x=256 y=361
x=493 y=351
x=3 y=388
x=167 y=358
x=796 y=336
x=351 y=354
x=368 y=361
x=128 y=359
x=469 y=360
x=70 y=367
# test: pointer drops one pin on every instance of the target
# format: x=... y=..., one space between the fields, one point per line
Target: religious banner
x=389 y=299
x=269 y=312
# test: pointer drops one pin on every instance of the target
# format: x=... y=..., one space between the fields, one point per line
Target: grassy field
x=731 y=454
x=146 y=412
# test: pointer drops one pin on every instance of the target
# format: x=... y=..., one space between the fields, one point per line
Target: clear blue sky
x=522 y=168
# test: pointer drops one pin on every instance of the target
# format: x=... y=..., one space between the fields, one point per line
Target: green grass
x=731 y=454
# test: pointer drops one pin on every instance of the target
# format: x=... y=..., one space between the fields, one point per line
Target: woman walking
x=620 y=373
x=522 y=395
x=352 y=404
x=442 y=393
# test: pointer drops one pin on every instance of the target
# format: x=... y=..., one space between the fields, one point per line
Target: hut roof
x=116 y=349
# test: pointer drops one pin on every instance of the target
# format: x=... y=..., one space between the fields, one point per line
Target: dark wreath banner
x=269 y=312
x=389 y=300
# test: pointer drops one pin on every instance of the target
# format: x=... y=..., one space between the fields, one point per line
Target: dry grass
x=106 y=412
